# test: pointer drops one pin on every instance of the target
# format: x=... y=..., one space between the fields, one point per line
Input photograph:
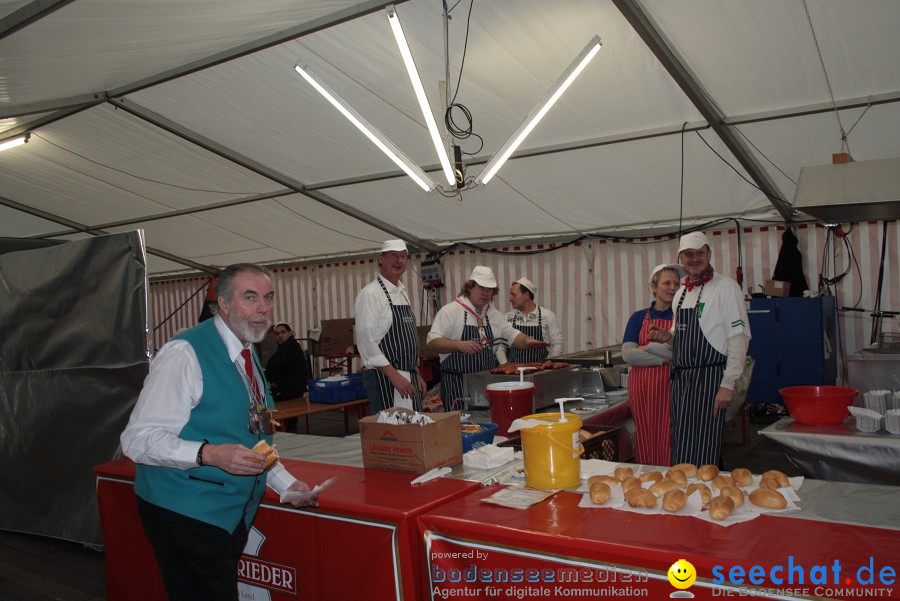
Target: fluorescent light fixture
x=552 y=95
x=416 y=82
x=377 y=138
x=13 y=142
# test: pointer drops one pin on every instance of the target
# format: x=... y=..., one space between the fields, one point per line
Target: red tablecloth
x=361 y=543
x=623 y=550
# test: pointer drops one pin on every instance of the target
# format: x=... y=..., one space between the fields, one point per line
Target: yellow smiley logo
x=682 y=574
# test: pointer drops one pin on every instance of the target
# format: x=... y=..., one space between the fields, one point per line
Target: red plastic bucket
x=509 y=401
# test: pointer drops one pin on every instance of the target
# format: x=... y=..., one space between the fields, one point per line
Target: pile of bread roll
x=671 y=489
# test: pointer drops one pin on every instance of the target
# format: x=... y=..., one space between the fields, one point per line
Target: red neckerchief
x=477 y=316
x=704 y=277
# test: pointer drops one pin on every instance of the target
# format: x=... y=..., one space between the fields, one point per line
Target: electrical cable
x=845 y=144
x=321 y=225
x=739 y=173
x=146 y=179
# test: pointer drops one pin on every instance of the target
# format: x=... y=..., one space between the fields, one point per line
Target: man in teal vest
x=202 y=408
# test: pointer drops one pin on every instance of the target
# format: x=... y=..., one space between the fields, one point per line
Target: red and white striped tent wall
x=593 y=286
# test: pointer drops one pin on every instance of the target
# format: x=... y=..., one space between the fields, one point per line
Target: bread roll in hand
x=768 y=498
x=720 y=508
x=600 y=493
x=674 y=500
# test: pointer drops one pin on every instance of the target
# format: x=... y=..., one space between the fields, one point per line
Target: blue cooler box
x=486 y=436
x=331 y=392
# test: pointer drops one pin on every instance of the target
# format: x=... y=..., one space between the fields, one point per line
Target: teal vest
x=208 y=493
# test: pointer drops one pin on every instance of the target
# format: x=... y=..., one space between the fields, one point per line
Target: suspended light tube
x=416 y=82
x=549 y=99
x=377 y=138
x=13 y=142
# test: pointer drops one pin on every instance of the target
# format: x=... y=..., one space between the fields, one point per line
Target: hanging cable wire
x=146 y=179
x=845 y=145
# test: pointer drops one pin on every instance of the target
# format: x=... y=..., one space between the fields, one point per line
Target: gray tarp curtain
x=73 y=357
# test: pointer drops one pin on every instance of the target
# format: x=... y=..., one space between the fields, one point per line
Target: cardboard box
x=423 y=349
x=336 y=337
x=411 y=447
x=777 y=288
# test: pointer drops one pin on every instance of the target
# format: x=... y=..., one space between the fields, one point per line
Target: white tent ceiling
x=187 y=119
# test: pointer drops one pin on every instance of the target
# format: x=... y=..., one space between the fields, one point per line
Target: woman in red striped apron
x=648 y=378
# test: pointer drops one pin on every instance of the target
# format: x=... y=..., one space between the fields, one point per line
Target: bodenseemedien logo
x=682 y=575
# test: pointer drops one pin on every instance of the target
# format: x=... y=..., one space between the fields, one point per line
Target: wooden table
x=303 y=408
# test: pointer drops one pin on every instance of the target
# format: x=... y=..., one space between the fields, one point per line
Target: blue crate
x=359 y=388
x=486 y=436
x=333 y=392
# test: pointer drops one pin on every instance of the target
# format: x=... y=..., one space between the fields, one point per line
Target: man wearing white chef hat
x=465 y=331
x=386 y=335
x=709 y=338
x=538 y=322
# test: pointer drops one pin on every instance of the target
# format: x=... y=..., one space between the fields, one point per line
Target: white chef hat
x=678 y=268
x=397 y=245
x=693 y=241
x=526 y=283
x=484 y=276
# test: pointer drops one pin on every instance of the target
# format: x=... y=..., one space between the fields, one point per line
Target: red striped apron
x=648 y=395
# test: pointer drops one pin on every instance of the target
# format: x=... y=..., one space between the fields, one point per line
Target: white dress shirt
x=448 y=323
x=171 y=390
x=550 y=330
x=374 y=319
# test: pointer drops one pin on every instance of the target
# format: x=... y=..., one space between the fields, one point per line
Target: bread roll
x=639 y=497
x=630 y=483
x=678 y=476
x=271 y=455
x=770 y=483
x=600 y=493
x=583 y=435
x=720 y=508
x=705 y=494
x=689 y=469
x=782 y=478
x=608 y=480
x=741 y=476
x=765 y=497
x=663 y=486
x=734 y=493
x=720 y=481
x=674 y=500
x=655 y=476
x=707 y=472
x=623 y=473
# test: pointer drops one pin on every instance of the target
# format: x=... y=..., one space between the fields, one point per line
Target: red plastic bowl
x=818 y=405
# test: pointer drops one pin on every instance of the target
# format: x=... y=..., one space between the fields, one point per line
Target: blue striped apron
x=456 y=364
x=529 y=355
x=697 y=370
x=400 y=346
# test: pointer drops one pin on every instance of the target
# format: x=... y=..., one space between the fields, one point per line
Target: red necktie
x=251 y=378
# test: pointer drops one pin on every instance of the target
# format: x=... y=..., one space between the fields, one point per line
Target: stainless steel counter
x=839 y=452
